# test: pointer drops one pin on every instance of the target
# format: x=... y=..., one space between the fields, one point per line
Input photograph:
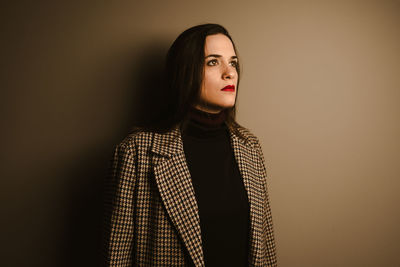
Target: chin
x=229 y=104
x=218 y=105
x=225 y=105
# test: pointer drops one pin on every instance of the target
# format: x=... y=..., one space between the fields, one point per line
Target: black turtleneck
x=219 y=190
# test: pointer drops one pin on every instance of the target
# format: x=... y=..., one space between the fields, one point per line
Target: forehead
x=219 y=44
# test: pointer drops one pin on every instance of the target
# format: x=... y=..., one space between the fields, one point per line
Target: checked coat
x=151 y=214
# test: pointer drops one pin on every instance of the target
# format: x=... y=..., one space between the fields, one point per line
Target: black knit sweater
x=219 y=190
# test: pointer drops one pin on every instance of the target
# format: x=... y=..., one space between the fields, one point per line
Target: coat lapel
x=246 y=156
x=176 y=189
x=177 y=192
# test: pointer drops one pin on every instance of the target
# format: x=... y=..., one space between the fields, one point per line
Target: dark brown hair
x=183 y=77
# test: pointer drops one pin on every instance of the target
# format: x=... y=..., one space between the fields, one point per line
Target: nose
x=228 y=72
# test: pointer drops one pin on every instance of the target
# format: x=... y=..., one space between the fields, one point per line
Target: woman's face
x=218 y=89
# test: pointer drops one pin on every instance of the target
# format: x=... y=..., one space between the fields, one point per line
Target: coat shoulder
x=248 y=136
x=137 y=139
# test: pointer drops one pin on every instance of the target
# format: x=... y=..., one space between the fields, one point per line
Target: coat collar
x=177 y=193
x=170 y=143
x=167 y=144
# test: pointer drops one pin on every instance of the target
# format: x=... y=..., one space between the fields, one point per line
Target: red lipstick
x=230 y=88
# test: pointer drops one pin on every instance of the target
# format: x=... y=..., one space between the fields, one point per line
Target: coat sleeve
x=119 y=208
x=268 y=230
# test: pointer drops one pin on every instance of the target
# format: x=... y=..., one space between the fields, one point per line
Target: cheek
x=210 y=80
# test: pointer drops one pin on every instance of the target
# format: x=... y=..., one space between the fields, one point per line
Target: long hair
x=183 y=76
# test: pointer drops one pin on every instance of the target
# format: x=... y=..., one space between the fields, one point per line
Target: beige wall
x=320 y=88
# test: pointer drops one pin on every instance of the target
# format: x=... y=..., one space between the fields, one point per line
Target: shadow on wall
x=150 y=94
x=83 y=236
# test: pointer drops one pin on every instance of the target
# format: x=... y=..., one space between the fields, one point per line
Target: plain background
x=320 y=88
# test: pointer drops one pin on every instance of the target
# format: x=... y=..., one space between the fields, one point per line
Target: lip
x=230 y=88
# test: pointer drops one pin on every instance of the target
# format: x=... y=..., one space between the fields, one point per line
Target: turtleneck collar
x=206 y=119
x=205 y=126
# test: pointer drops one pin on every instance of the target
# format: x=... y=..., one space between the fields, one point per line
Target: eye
x=212 y=62
x=234 y=63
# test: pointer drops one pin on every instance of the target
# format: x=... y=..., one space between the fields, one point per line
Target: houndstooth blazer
x=151 y=212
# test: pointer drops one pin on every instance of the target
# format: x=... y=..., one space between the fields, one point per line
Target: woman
x=190 y=189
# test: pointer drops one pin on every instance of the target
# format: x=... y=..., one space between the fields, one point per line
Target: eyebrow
x=215 y=55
